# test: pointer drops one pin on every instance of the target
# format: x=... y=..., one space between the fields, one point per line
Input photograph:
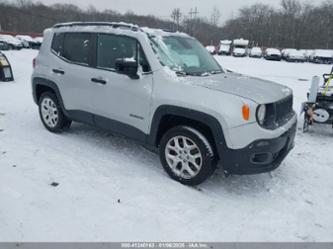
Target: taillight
x=34 y=63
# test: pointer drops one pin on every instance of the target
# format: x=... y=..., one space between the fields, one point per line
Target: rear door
x=72 y=70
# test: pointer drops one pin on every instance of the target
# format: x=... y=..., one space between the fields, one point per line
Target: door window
x=76 y=47
x=113 y=47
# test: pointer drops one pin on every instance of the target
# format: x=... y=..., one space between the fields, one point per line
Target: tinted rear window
x=76 y=47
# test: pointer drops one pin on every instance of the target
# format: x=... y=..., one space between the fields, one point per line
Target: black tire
x=62 y=122
x=208 y=160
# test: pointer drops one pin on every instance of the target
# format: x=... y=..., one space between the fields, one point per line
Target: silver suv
x=165 y=91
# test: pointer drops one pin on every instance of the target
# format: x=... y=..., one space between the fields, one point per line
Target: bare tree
x=294 y=24
x=176 y=17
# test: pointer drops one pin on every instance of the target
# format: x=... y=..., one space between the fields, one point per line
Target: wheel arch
x=41 y=85
x=167 y=117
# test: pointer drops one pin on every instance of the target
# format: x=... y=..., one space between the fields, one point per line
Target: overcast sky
x=162 y=8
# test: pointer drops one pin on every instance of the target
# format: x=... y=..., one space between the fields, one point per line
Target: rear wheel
x=187 y=156
x=51 y=114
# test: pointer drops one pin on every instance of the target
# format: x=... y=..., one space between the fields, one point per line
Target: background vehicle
x=141 y=83
x=256 y=52
x=240 y=47
x=4 y=45
x=321 y=56
x=319 y=107
x=11 y=41
x=239 y=52
x=38 y=42
x=211 y=49
x=27 y=40
x=284 y=53
x=273 y=54
x=294 y=55
x=307 y=53
x=225 y=47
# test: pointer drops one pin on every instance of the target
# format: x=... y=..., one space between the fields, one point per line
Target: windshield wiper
x=216 y=72
x=181 y=73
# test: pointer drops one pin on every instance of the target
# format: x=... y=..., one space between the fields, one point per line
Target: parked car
x=321 y=56
x=307 y=53
x=273 y=54
x=4 y=45
x=225 y=47
x=211 y=49
x=294 y=55
x=256 y=52
x=38 y=41
x=165 y=91
x=11 y=41
x=28 y=41
x=239 y=52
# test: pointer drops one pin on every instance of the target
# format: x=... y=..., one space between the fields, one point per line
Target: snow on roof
x=225 y=42
x=39 y=39
x=9 y=39
x=115 y=27
x=256 y=50
x=295 y=52
x=85 y=24
x=323 y=53
x=241 y=42
x=25 y=38
x=273 y=51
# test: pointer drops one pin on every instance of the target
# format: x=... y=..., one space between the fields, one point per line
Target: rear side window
x=76 y=47
x=57 y=43
x=113 y=47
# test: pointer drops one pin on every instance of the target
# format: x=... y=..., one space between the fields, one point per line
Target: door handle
x=58 y=71
x=98 y=81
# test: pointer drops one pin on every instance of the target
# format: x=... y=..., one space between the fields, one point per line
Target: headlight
x=261 y=114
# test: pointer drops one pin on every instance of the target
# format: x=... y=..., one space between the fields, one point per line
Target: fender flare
x=204 y=118
x=37 y=81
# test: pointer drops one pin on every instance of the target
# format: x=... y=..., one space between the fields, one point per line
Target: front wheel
x=187 y=155
x=51 y=114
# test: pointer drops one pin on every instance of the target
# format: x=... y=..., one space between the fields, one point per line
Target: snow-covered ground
x=111 y=189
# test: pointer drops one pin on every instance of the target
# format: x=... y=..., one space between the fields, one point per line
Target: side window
x=57 y=42
x=113 y=47
x=76 y=47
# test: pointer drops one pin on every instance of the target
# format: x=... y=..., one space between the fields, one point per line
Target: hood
x=225 y=48
x=257 y=90
x=239 y=51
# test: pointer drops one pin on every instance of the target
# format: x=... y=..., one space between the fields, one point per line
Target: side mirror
x=127 y=66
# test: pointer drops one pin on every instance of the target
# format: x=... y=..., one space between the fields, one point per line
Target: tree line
x=294 y=24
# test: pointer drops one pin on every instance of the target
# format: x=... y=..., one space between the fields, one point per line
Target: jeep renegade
x=164 y=90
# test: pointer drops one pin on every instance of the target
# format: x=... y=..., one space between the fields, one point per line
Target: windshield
x=185 y=56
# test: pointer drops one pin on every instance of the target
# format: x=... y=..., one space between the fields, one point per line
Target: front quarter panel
x=169 y=89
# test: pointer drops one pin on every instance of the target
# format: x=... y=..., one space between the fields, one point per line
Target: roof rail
x=110 y=24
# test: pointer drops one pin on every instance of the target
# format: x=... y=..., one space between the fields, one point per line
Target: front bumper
x=260 y=156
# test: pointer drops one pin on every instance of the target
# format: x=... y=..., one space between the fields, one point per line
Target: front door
x=117 y=97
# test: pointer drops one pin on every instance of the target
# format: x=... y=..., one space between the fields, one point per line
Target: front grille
x=279 y=113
